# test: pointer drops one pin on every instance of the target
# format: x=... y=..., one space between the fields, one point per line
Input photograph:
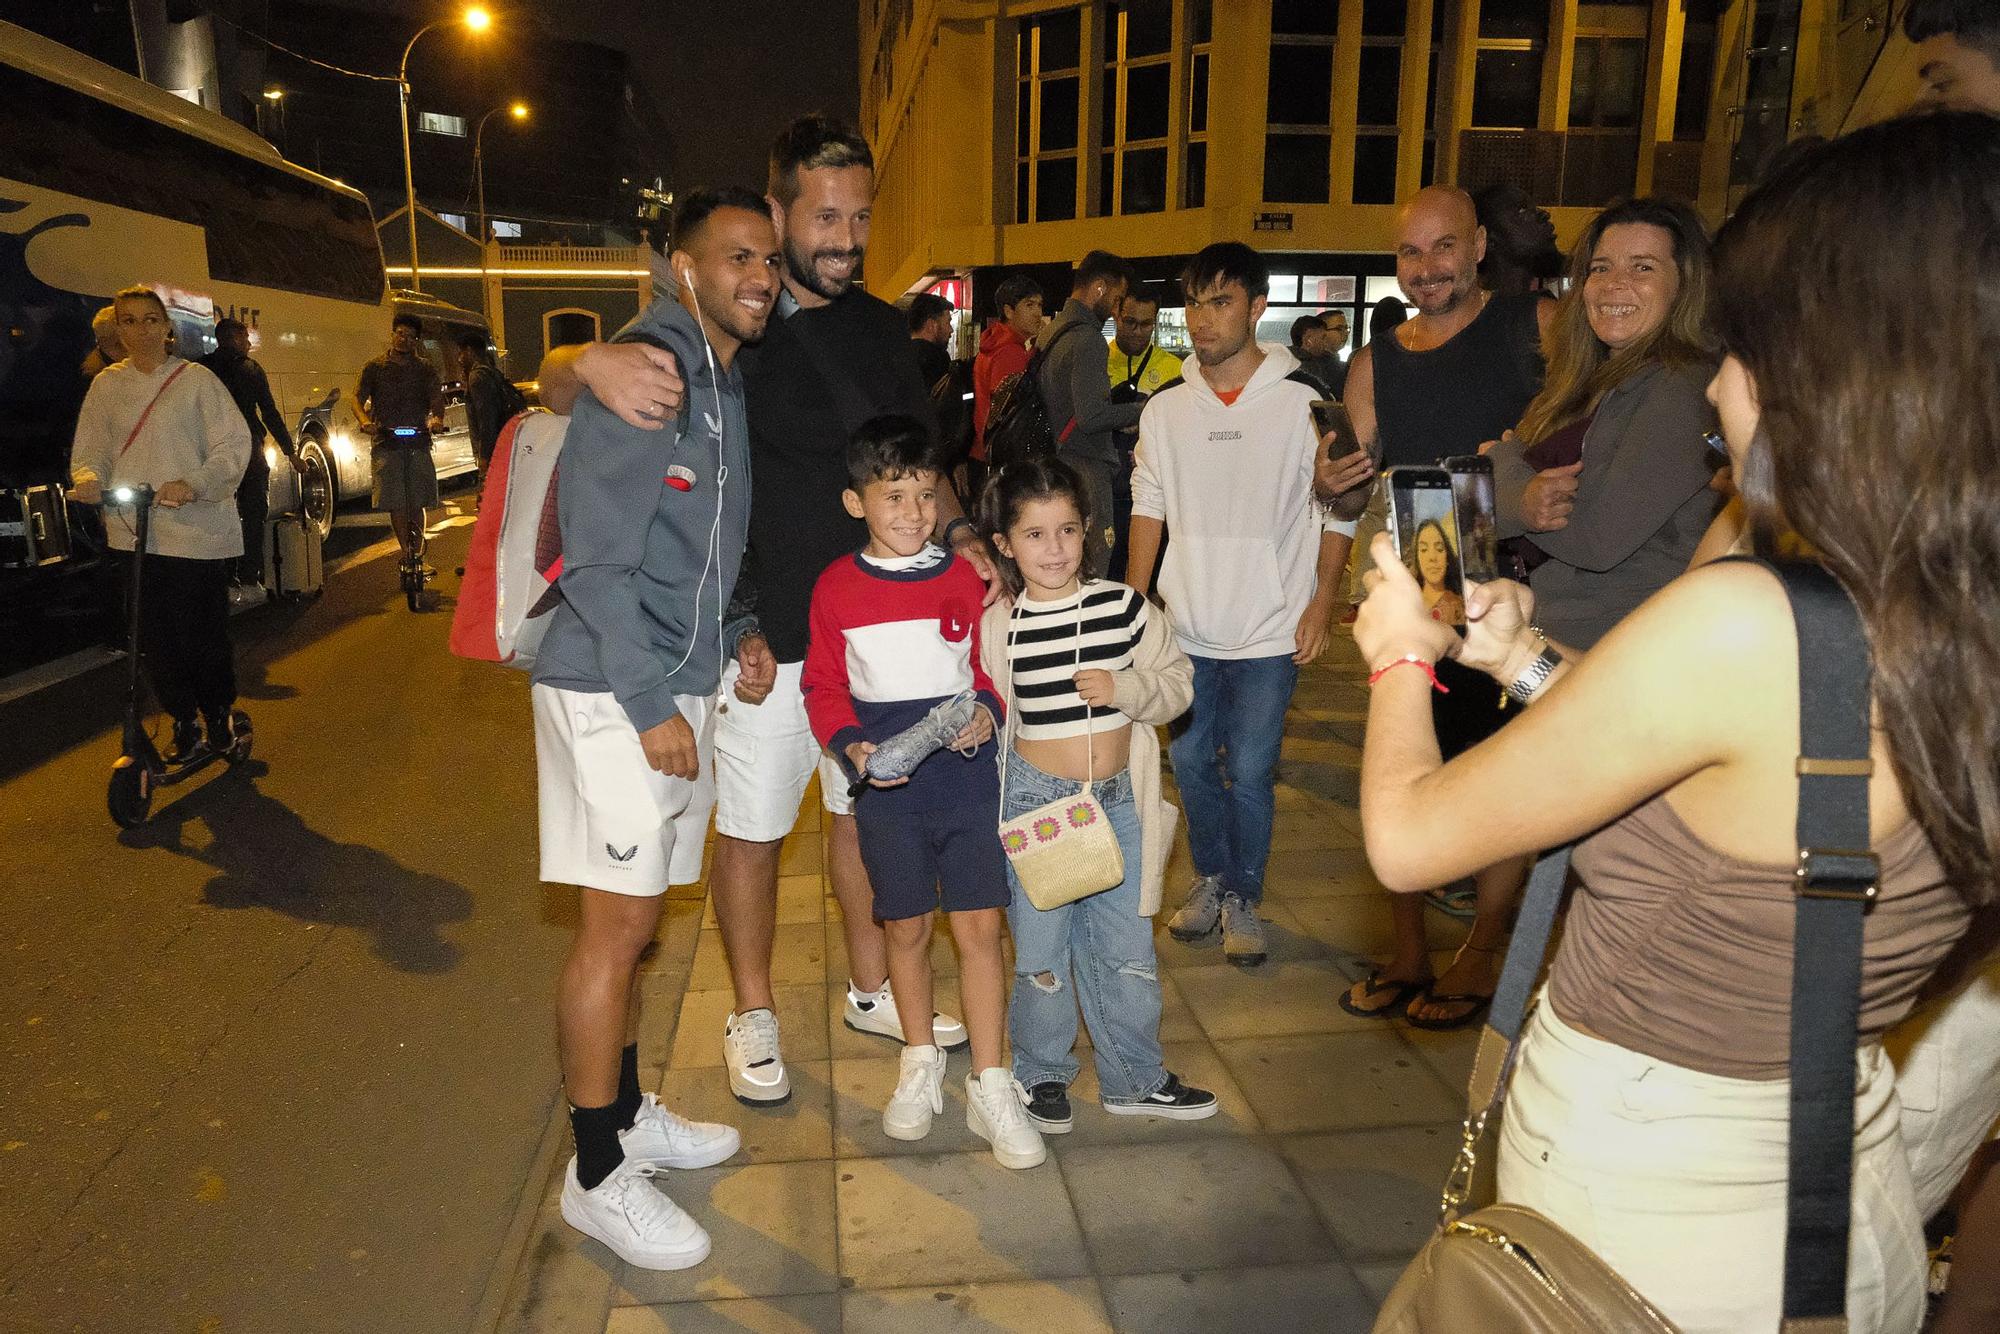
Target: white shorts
x=764 y=757
x=609 y=820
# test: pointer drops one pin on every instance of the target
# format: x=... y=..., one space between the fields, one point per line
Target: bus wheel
x=318 y=486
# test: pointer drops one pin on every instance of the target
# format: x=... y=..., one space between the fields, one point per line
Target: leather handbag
x=1505 y=1269
x=1063 y=850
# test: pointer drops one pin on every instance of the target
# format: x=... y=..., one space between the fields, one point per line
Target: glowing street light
x=274 y=94
x=476 y=20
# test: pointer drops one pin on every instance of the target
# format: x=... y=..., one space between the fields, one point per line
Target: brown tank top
x=1679 y=952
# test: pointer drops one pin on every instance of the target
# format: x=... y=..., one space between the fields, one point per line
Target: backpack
x=516 y=556
x=951 y=400
x=1017 y=425
x=512 y=401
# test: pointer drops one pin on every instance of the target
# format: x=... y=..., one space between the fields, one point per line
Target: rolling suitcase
x=297 y=562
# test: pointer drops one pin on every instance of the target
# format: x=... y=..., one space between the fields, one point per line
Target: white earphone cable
x=712 y=554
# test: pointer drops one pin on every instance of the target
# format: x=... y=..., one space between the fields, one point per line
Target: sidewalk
x=1292 y=1209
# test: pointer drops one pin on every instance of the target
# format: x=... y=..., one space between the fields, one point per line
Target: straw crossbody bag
x=1065 y=850
x=1504 y=1269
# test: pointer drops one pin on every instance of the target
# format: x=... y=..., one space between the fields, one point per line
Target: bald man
x=1445 y=381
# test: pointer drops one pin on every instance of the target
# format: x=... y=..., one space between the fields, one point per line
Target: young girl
x=1079 y=663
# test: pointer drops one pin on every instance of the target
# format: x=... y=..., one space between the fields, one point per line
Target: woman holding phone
x=1649 y=1109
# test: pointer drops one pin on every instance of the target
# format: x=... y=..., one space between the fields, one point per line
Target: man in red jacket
x=1003 y=350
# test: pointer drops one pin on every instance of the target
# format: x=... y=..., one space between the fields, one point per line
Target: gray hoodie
x=647 y=567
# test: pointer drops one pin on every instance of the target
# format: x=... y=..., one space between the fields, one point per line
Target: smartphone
x=1472 y=507
x=1423 y=523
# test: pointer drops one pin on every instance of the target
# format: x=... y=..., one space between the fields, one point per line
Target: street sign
x=1274 y=222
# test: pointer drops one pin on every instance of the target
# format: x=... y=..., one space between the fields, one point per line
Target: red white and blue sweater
x=887 y=645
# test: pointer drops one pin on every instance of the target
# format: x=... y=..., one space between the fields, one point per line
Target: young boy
x=895 y=632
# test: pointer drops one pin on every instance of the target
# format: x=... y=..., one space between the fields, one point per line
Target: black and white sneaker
x=1175 y=1101
x=1048 y=1107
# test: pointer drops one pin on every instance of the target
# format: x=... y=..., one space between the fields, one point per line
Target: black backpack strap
x=1836 y=882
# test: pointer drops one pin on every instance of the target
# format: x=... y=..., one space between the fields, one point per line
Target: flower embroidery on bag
x=1014 y=840
x=1047 y=828
x=1082 y=815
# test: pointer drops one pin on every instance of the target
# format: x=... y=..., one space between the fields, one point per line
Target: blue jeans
x=1226 y=766
x=1101 y=943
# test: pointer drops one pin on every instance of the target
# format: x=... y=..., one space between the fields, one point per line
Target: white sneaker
x=996 y=1110
x=875 y=1012
x=632 y=1216
x=659 y=1137
x=750 y=1050
x=919 y=1094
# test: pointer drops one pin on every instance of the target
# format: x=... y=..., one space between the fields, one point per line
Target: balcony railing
x=1586 y=169
x=622 y=257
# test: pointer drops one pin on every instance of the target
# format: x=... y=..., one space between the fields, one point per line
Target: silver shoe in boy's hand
x=899 y=756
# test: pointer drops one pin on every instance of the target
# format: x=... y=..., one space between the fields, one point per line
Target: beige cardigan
x=1154 y=691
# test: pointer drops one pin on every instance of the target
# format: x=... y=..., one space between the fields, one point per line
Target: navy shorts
x=921 y=860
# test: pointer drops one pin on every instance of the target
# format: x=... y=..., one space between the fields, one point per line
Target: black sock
x=627 y=1105
x=597 y=1149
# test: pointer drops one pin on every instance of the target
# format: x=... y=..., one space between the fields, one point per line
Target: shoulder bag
x=1066 y=849
x=1504 y=1269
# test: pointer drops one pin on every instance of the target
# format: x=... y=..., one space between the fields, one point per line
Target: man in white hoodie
x=1226 y=459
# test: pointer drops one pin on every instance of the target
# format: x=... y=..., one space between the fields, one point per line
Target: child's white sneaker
x=996 y=1110
x=919 y=1094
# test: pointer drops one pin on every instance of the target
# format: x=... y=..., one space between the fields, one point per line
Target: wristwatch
x=951 y=528
x=1536 y=674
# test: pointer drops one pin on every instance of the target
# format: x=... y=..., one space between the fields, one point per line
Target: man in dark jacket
x=251 y=388
x=488 y=402
x=930 y=336
x=1078 y=394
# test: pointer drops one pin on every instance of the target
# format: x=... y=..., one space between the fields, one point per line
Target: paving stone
x=1270 y=1000
x=815 y=1314
x=1377 y=1189
x=800 y=899
x=801 y=1025
x=1337 y=866
x=1197 y=1064
x=1449 y=1054
x=798 y=957
x=772 y=1225
x=954 y=1218
x=1072 y=1306
x=1338 y=1081
x=1291 y=1299
x=1195 y=1204
x=799 y=1128
x=861 y=1089
x=1361 y=926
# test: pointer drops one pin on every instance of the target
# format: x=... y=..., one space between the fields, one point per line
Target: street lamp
x=519 y=112
x=476 y=20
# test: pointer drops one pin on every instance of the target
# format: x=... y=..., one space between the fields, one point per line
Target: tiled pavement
x=1293 y=1209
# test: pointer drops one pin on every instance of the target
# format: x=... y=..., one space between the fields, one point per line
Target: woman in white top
x=157 y=420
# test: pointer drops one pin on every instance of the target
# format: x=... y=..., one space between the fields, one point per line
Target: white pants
x=1948 y=1079
x=764 y=757
x=609 y=820
x=1677 y=1180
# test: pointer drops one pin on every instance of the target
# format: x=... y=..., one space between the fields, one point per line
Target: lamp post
x=518 y=111
x=475 y=19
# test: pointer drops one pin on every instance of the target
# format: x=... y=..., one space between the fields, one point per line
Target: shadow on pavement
x=265 y=856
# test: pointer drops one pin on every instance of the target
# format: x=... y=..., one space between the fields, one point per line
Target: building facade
x=1021 y=133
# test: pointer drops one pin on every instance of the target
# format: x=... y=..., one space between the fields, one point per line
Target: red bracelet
x=1413 y=659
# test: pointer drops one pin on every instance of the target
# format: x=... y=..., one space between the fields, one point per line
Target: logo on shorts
x=624 y=856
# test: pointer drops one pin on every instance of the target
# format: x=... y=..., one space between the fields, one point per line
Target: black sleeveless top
x=1452 y=399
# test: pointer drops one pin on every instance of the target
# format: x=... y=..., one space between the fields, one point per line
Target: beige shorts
x=765 y=756
x=609 y=820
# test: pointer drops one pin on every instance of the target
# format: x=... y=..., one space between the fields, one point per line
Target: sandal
x=1400 y=995
x=1460 y=900
x=1477 y=1004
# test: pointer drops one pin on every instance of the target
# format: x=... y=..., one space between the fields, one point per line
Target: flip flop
x=1460 y=901
x=1466 y=1020
x=1401 y=994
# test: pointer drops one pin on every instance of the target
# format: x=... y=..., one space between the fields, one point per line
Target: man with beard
x=1443 y=382
x=835 y=357
x=1081 y=408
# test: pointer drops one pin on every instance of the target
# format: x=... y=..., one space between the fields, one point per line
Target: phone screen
x=1423 y=522
x=1472 y=506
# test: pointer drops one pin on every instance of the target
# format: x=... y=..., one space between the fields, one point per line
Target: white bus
x=106 y=181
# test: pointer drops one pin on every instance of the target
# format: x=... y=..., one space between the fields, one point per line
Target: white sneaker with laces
x=750 y=1050
x=659 y=1137
x=919 y=1094
x=996 y=1110
x=632 y=1216
x=875 y=1012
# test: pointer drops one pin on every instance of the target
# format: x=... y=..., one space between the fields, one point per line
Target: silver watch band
x=1535 y=675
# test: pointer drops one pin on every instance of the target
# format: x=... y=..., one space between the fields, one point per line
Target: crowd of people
x=975 y=661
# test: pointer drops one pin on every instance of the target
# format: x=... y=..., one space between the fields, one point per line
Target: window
x=1378 y=101
x=1298 y=103
x=1138 y=84
x=1048 y=70
x=563 y=328
x=1201 y=30
x=453 y=219
x=506 y=230
x=1697 y=70
x=1507 y=66
x=436 y=122
x=1607 y=83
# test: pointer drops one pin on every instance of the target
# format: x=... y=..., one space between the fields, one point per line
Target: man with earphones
x=834 y=357
x=653 y=530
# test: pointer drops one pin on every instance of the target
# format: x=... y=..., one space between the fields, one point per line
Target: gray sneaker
x=899 y=756
x=1197 y=917
x=1242 y=932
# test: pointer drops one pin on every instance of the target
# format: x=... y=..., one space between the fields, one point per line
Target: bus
x=105 y=181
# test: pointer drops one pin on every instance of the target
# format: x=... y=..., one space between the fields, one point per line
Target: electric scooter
x=140 y=769
x=412 y=571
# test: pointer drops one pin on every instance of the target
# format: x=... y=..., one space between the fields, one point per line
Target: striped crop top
x=1049 y=642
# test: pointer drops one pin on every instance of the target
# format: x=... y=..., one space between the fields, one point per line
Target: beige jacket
x=1154 y=691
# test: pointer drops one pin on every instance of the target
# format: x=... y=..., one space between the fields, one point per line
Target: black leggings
x=184 y=636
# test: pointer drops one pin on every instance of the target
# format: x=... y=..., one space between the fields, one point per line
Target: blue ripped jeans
x=1101 y=945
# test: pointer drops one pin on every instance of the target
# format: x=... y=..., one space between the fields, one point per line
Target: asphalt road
x=282 y=1058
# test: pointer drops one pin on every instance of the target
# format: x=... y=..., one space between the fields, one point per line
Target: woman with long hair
x=1649 y=1109
x=1437 y=574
